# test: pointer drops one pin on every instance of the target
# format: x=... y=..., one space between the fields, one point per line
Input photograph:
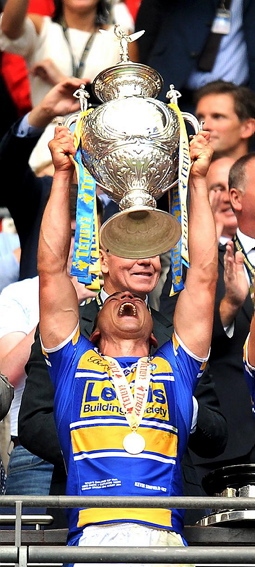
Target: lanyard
x=78 y=69
x=225 y=4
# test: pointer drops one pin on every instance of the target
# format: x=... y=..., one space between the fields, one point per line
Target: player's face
x=126 y=316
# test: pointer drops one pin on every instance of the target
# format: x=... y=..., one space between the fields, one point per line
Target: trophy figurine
x=136 y=149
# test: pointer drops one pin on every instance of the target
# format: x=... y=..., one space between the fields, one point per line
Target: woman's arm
x=13 y=18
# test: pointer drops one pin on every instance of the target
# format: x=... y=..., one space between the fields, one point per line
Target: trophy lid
x=140 y=232
x=127 y=78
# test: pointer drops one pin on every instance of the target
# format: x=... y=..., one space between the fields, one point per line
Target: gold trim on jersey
x=107 y=438
x=153 y=516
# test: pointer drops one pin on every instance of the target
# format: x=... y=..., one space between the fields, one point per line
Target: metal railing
x=23 y=555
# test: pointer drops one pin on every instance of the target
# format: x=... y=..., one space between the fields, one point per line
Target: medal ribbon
x=179 y=253
x=85 y=264
x=132 y=406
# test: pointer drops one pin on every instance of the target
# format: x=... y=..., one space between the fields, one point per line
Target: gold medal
x=134 y=443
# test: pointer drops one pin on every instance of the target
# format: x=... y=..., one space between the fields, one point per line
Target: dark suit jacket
x=226 y=368
x=24 y=194
x=176 y=32
x=8 y=110
x=37 y=431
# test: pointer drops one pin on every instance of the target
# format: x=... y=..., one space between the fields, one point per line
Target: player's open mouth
x=127 y=309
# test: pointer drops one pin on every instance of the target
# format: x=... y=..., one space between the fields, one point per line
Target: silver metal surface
x=135 y=232
x=227 y=516
x=247 y=491
x=234 y=515
x=131 y=147
x=127 y=79
x=130 y=143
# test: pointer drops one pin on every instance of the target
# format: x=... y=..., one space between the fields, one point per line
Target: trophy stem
x=137 y=198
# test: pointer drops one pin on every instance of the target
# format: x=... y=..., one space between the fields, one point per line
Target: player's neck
x=124 y=347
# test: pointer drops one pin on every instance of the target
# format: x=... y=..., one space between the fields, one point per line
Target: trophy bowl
x=130 y=146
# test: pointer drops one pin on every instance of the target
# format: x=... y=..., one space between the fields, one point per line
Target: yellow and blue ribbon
x=86 y=263
x=179 y=254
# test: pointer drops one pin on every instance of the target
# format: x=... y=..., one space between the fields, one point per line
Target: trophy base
x=140 y=232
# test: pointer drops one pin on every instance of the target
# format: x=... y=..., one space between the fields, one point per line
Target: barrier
x=206 y=549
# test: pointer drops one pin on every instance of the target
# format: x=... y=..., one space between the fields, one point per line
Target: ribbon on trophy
x=86 y=263
x=179 y=254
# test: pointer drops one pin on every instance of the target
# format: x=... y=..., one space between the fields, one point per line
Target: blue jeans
x=27 y=474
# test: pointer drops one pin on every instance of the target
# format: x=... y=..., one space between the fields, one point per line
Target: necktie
x=252 y=272
x=247 y=262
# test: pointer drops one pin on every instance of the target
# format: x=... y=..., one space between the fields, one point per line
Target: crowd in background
x=46 y=48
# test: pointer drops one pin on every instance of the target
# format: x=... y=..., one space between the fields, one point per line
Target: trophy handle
x=192 y=120
x=70 y=121
x=197 y=126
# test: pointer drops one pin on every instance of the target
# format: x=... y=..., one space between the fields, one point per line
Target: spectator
x=233 y=313
x=124 y=327
x=228 y=113
x=67 y=44
x=217 y=184
x=26 y=200
x=6 y=397
x=38 y=37
x=9 y=258
x=249 y=361
x=178 y=33
x=19 y=314
x=15 y=86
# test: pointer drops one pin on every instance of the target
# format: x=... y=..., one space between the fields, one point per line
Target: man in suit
x=22 y=192
x=176 y=33
x=233 y=312
x=228 y=113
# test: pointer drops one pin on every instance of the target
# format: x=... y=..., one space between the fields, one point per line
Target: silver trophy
x=130 y=145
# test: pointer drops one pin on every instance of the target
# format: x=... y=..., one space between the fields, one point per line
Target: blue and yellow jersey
x=91 y=427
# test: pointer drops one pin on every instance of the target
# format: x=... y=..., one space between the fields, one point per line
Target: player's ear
x=153 y=341
x=95 y=336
